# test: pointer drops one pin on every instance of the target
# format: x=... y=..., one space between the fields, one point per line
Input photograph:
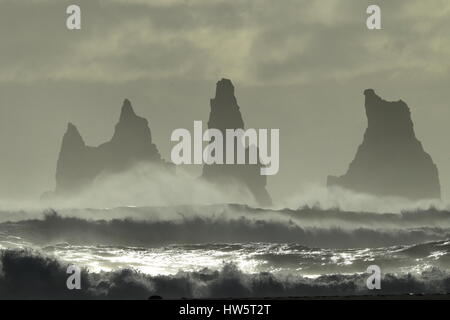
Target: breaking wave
x=30 y=275
x=230 y=224
x=185 y=251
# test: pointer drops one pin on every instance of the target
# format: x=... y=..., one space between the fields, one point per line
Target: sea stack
x=78 y=164
x=390 y=161
x=225 y=114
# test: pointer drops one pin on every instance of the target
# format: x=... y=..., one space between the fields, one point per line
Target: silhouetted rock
x=390 y=161
x=79 y=164
x=225 y=114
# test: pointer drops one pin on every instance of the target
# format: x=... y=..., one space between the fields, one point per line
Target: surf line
x=241 y=147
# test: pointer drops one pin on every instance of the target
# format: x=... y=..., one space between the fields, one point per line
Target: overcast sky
x=297 y=65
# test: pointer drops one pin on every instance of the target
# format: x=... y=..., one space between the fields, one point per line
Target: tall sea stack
x=78 y=164
x=390 y=161
x=225 y=114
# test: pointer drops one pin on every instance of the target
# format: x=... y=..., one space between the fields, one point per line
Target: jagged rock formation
x=79 y=164
x=225 y=114
x=390 y=161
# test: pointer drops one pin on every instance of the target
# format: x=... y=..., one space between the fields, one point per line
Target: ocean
x=229 y=250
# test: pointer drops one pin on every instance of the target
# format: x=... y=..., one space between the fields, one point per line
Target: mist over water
x=347 y=200
x=143 y=185
x=147 y=185
x=175 y=225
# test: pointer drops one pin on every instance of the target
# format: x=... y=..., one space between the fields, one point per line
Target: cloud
x=252 y=41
